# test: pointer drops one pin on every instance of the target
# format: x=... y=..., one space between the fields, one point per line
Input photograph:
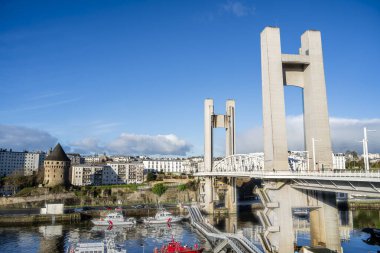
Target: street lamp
x=365 y=148
x=313 y=140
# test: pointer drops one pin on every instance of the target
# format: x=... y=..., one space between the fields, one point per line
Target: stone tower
x=56 y=168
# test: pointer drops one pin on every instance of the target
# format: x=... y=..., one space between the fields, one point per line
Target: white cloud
x=135 y=144
x=345 y=134
x=24 y=138
x=237 y=8
x=87 y=145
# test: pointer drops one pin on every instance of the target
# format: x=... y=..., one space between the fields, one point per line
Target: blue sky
x=131 y=76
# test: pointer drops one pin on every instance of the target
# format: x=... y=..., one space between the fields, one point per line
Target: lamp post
x=313 y=140
x=365 y=148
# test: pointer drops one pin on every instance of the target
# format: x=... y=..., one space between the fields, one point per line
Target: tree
x=182 y=187
x=17 y=181
x=159 y=189
x=150 y=176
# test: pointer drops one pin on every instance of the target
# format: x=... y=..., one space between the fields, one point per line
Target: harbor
x=58 y=237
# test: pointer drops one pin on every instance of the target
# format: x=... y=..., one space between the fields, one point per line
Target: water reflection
x=351 y=224
x=57 y=238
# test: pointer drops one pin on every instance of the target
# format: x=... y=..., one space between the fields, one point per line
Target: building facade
x=82 y=175
x=166 y=166
x=75 y=158
x=109 y=174
x=25 y=162
x=56 y=168
x=339 y=161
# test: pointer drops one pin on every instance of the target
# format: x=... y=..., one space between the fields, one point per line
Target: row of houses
x=29 y=163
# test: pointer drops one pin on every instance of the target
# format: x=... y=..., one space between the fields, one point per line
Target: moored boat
x=99 y=247
x=162 y=217
x=176 y=247
x=114 y=219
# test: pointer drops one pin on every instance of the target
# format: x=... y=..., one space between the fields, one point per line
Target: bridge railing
x=254 y=164
x=299 y=174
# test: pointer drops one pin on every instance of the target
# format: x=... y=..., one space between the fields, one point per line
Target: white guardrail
x=299 y=174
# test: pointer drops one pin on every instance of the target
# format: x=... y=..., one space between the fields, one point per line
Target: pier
x=220 y=241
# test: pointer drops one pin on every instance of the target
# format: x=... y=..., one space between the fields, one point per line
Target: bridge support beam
x=324 y=226
x=278 y=233
x=231 y=195
x=207 y=195
x=279 y=198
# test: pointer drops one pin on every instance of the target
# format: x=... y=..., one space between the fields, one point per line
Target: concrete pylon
x=212 y=121
x=276 y=217
x=304 y=70
x=231 y=196
x=208 y=125
x=324 y=222
x=230 y=127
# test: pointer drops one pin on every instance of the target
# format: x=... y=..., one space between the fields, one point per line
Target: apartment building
x=166 y=166
x=24 y=162
x=109 y=174
x=82 y=175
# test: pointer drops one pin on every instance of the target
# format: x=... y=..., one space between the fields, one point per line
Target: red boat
x=176 y=247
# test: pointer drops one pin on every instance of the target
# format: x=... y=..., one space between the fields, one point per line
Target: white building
x=92 y=159
x=120 y=159
x=339 y=161
x=123 y=173
x=112 y=173
x=25 y=162
x=374 y=156
x=166 y=166
x=191 y=164
x=82 y=175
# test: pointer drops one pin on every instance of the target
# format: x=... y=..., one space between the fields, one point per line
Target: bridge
x=304 y=179
x=220 y=241
x=296 y=187
x=252 y=166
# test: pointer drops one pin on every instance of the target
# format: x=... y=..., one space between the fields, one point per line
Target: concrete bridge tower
x=304 y=70
x=212 y=121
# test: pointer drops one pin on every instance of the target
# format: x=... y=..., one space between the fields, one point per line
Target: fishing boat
x=162 y=217
x=114 y=219
x=176 y=247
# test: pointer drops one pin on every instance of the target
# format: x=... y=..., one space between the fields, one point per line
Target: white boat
x=106 y=246
x=161 y=217
x=114 y=219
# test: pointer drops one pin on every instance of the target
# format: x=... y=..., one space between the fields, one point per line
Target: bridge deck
x=327 y=175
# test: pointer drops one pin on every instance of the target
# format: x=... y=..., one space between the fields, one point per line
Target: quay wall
x=18 y=200
x=38 y=218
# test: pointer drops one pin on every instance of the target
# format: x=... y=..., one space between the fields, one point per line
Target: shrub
x=159 y=189
x=150 y=177
x=182 y=187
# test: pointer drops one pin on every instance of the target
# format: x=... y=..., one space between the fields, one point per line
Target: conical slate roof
x=57 y=154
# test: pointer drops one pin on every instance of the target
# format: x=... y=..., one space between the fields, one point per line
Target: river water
x=57 y=237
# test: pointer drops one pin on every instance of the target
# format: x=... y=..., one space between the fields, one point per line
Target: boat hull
x=114 y=223
x=154 y=221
